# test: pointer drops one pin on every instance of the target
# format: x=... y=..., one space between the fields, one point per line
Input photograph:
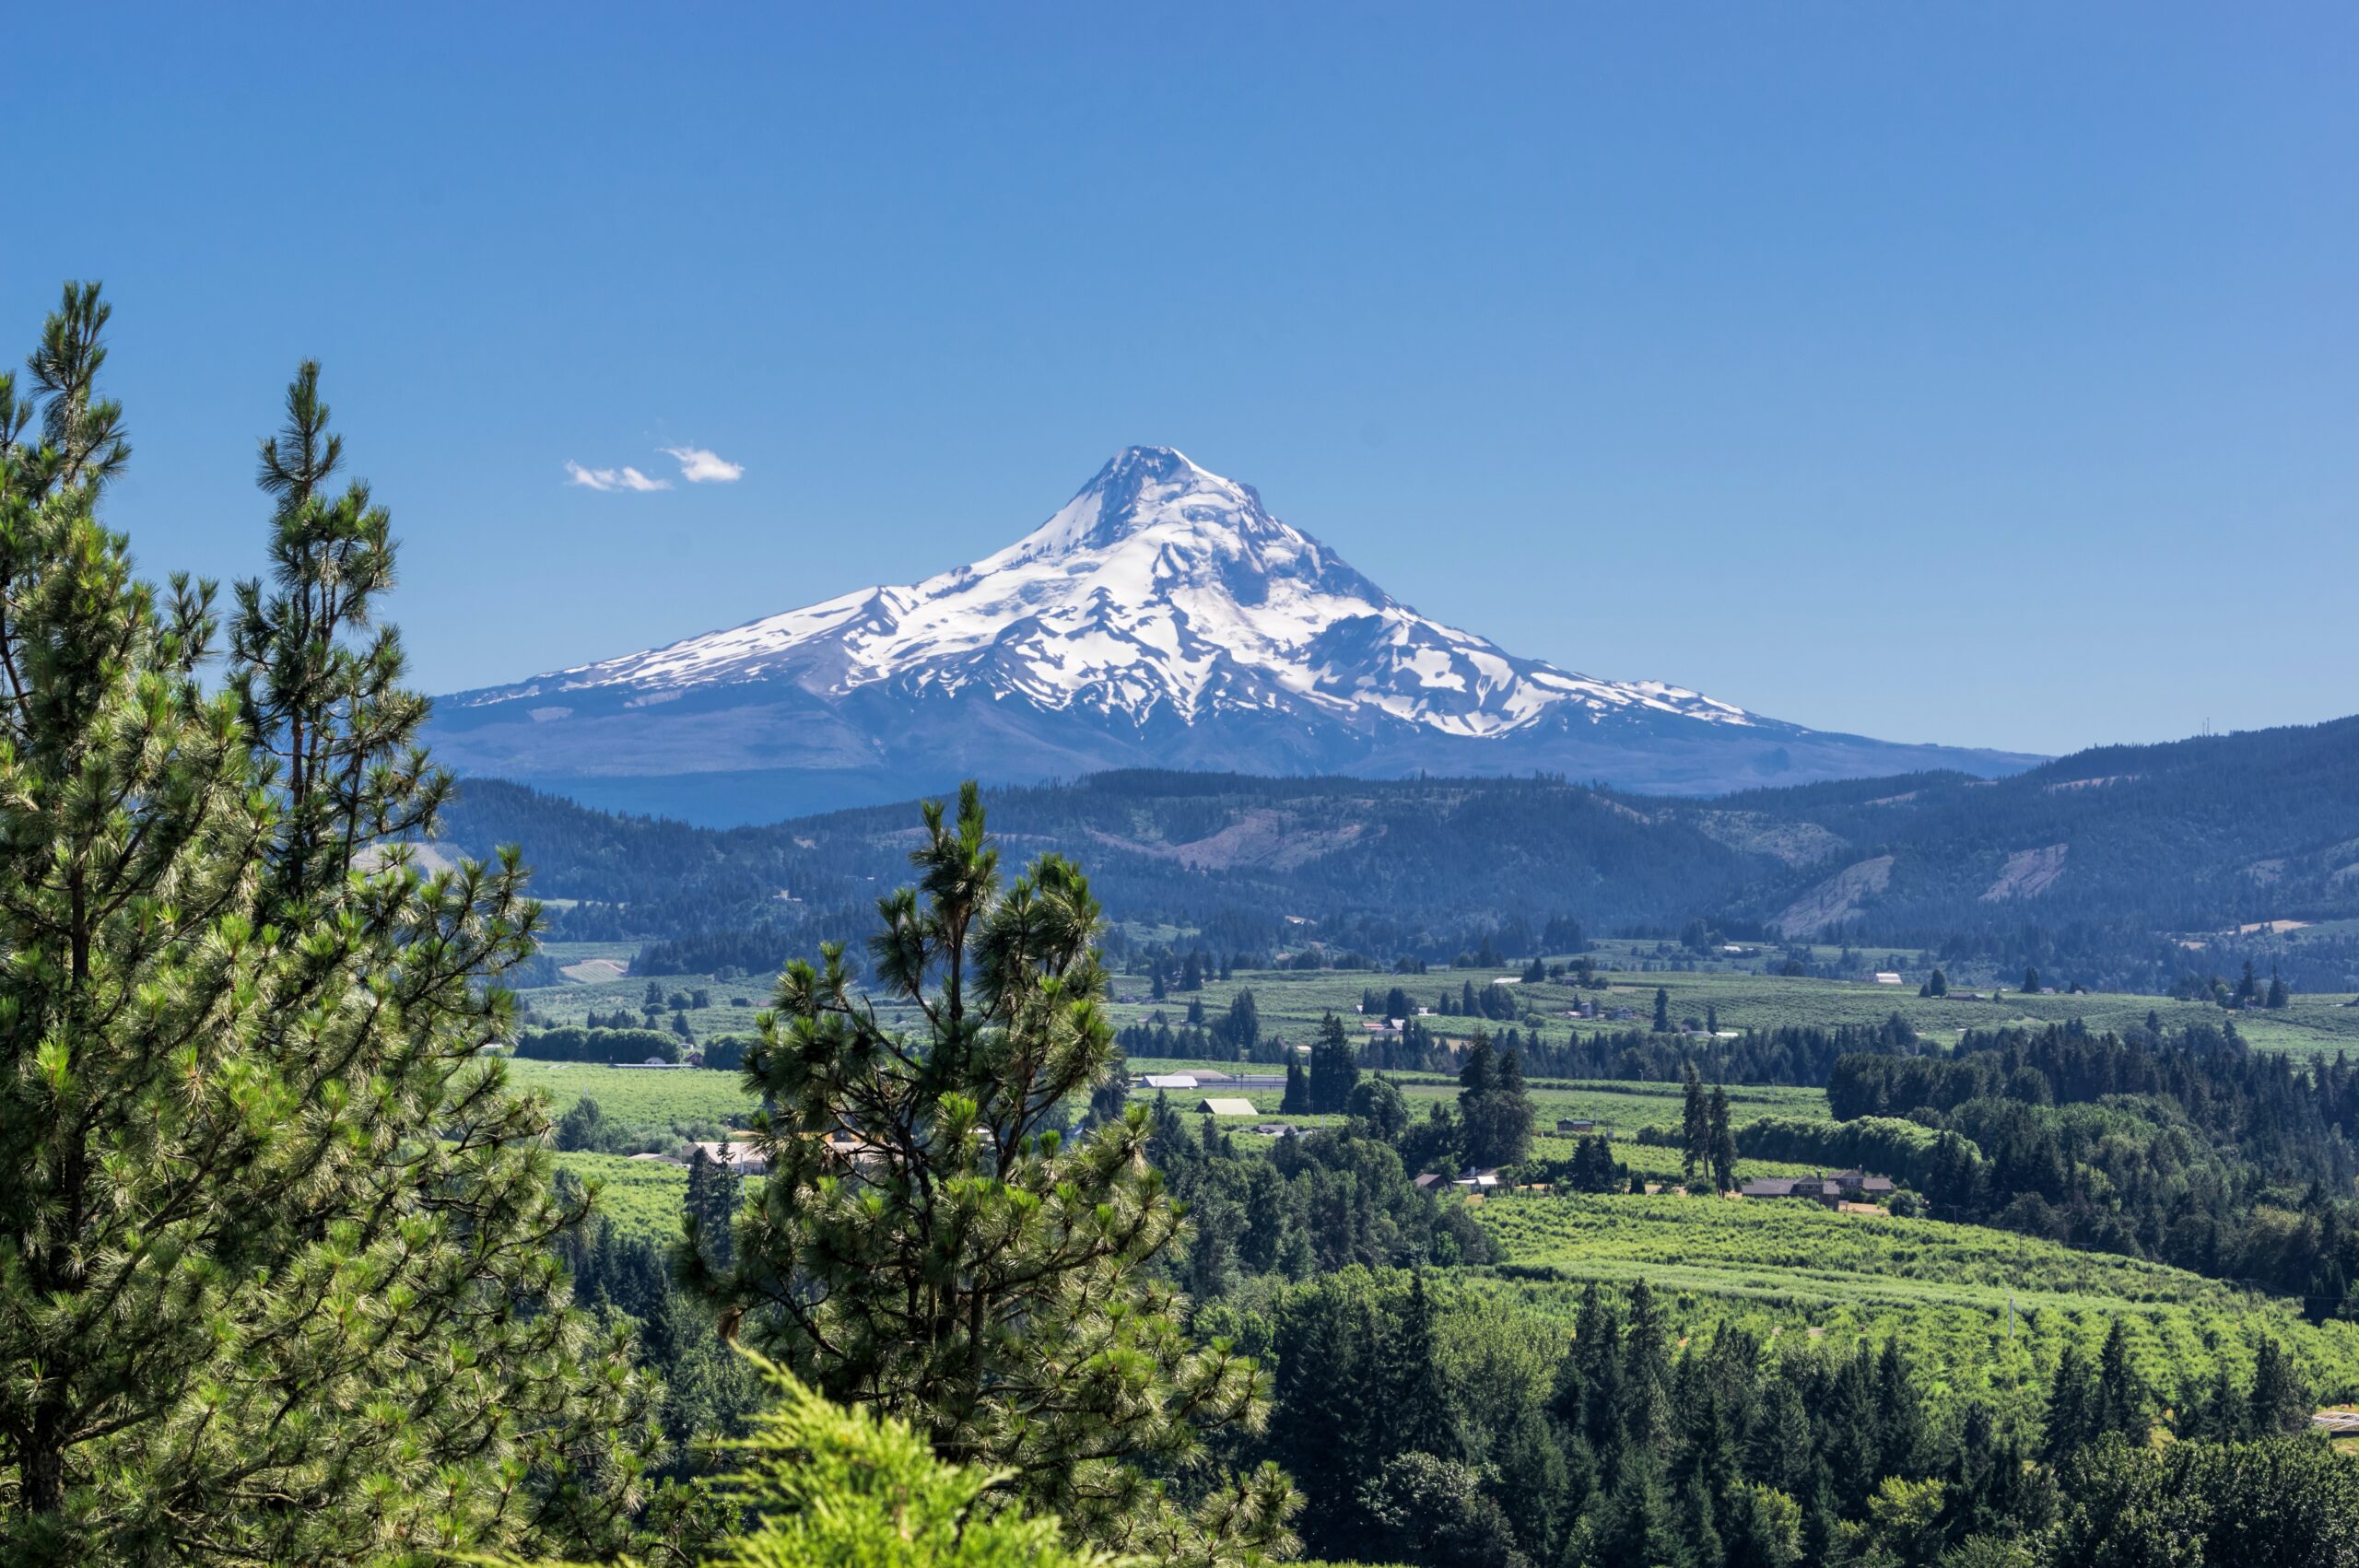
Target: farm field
x=1786 y=1268
x=680 y=1098
x=598 y=979
x=1291 y=1003
x=638 y=1199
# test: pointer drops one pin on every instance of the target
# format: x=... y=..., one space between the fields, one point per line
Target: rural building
x=1823 y=1188
x=1887 y=978
x=1572 y=1124
x=1170 y=1081
x=741 y=1158
x=1226 y=1107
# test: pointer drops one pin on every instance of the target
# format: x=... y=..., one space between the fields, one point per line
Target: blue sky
x=1985 y=374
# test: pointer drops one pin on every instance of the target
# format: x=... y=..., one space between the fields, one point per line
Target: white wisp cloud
x=698 y=466
x=624 y=478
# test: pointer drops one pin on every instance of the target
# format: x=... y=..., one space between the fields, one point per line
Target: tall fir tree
x=279 y=1284
x=1335 y=1068
x=1723 y=1140
x=927 y=1245
x=1694 y=1123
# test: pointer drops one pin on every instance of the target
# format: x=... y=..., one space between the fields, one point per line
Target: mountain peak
x=1139 y=488
x=1162 y=594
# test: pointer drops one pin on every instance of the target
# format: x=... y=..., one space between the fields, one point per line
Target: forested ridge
x=2098 y=860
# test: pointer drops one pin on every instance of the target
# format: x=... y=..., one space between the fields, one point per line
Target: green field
x=640 y=1198
x=681 y=1099
x=571 y=1001
x=1291 y=1003
x=1783 y=1269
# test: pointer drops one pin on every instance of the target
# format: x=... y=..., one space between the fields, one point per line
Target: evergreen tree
x=1242 y=1027
x=1296 y=1099
x=967 y=1268
x=2280 y=1402
x=2072 y=1419
x=1694 y=1123
x=1662 y=1011
x=1417 y=1409
x=823 y=1485
x=2279 y=998
x=709 y=1211
x=277 y=1284
x=1494 y=1106
x=2119 y=1405
x=1335 y=1068
x=1723 y=1142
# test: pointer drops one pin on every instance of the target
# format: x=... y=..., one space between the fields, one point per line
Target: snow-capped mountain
x=1161 y=617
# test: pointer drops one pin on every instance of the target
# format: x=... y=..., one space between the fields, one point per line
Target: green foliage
x=926 y=1243
x=1494 y=1110
x=826 y=1487
x=1883 y=1145
x=274 y=1278
x=2206 y=1506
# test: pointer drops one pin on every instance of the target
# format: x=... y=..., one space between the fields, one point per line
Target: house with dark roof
x=1854 y=1185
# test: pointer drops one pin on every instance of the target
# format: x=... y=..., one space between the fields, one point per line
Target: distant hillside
x=2098 y=859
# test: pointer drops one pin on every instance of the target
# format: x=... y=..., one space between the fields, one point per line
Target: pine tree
x=1418 y=1411
x=709 y=1211
x=1695 y=1122
x=2121 y=1397
x=1335 y=1068
x=2072 y=1414
x=1296 y=1100
x=967 y=1268
x=2279 y=1403
x=278 y=1236
x=1723 y=1136
x=2279 y=998
x=1662 y=1011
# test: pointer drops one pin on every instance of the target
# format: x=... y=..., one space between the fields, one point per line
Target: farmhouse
x=1823 y=1188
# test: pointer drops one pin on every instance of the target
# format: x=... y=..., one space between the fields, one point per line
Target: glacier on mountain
x=1160 y=586
x=1161 y=617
